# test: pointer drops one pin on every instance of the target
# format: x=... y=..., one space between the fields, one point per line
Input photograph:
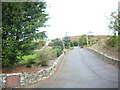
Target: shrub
x=41 y=44
x=67 y=47
x=45 y=55
x=75 y=43
x=28 y=65
x=58 y=42
x=58 y=50
x=71 y=48
x=71 y=44
x=112 y=42
x=82 y=40
x=82 y=46
x=51 y=44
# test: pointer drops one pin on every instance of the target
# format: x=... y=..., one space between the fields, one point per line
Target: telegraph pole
x=87 y=37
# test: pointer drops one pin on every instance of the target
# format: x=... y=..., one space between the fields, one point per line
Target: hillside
x=91 y=37
x=109 y=51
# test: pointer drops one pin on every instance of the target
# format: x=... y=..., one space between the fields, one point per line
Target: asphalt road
x=81 y=69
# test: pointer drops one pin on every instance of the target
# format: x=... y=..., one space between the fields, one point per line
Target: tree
x=114 y=25
x=58 y=42
x=82 y=40
x=71 y=44
x=19 y=28
x=114 y=22
x=66 y=41
x=75 y=43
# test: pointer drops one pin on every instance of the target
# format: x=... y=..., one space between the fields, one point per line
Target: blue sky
x=78 y=17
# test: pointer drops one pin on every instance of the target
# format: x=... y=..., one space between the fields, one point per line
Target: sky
x=77 y=17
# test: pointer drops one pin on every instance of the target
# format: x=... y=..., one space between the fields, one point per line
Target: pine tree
x=20 y=23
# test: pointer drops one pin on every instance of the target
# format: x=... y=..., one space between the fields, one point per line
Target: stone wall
x=106 y=58
x=29 y=78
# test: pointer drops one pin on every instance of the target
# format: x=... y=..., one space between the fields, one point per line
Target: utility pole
x=87 y=37
x=118 y=17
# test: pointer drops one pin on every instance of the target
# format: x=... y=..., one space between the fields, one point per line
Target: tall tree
x=66 y=41
x=114 y=22
x=20 y=23
x=82 y=40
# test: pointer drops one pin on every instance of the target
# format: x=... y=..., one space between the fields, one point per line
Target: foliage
x=58 y=50
x=45 y=55
x=71 y=48
x=29 y=60
x=82 y=40
x=71 y=44
x=66 y=41
x=113 y=42
x=58 y=42
x=75 y=43
x=67 y=47
x=20 y=21
x=41 y=44
x=51 y=44
x=114 y=22
x=93 y=42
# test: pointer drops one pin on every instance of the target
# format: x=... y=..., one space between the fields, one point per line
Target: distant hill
x=74 y=38
x=91 y=37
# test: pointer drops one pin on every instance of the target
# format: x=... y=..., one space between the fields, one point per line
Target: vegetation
x=114 y=41
x=58 y=42
x=29 y=60
x=40 y=43
x=20 y=21
x=71 y=48
x=75 y=43
x=58 y=50
x=45 y=55
x=82 y=40
x=51 y=44
x=66 y=41
x=71 y=44
x=57 y=45
x=114 y=22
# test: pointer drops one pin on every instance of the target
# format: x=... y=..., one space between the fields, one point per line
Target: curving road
x=81 y=69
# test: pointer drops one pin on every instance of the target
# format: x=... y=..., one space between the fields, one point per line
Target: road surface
x=81 y=69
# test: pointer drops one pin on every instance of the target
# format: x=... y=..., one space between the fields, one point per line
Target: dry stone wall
x=106 y=58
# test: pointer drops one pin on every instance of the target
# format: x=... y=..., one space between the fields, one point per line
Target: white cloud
x=78 y=16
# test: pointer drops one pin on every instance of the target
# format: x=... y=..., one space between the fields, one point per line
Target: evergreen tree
x=20 y=23
x=66 y=41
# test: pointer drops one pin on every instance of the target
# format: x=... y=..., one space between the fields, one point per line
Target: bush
x=82 y=46
x=46 y=55
x=58 y=50
x=58 y=42
x=112 y=42
x=67 y=47
x=75 y=43
x=51 y=44
x=71 y=48
x=82 y=40
x=71 y=44
x=41 y=44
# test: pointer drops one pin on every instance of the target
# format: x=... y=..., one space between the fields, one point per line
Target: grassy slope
x=109 y=51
